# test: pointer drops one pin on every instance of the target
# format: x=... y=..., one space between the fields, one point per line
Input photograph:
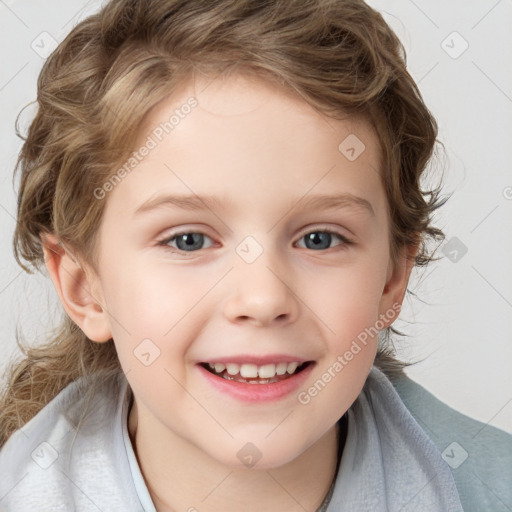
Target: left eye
x=322 y=239
x=193 y=241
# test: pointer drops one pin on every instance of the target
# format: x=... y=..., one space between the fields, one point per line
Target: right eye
x=186 y=241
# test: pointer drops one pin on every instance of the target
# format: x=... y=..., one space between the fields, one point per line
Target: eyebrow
x=198 y=203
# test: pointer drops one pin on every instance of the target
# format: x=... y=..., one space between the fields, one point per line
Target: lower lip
x=257 y=392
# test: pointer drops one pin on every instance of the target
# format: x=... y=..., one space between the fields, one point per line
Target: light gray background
x=464 y=327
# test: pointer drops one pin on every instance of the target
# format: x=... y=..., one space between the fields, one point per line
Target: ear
x=396 y=284
x=77 y=290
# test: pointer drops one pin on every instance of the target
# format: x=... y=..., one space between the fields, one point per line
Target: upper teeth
x=246 y=370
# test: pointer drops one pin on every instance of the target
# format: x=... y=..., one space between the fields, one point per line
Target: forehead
x=247 y=140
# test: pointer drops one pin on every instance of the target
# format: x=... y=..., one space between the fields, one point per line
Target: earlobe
x=75 y=288
x=396 y=284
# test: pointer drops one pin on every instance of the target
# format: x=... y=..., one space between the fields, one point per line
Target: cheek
x=149 y=297
x=155 y=302
x=347 y=298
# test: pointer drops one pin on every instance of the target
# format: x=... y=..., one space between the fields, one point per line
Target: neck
x=180 y=477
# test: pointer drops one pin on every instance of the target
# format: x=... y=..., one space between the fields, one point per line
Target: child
x=186 y=159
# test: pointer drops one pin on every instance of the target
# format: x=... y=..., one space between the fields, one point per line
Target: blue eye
x=322 y=239
x=193 y=241
x=186 y=242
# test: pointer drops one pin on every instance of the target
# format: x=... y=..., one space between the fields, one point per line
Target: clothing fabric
x=388 y=462
x=479 y=455
x=62 y=460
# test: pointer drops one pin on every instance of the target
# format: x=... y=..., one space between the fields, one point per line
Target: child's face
x=253 y=285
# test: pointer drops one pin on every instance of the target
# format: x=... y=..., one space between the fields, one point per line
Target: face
x=257 y=272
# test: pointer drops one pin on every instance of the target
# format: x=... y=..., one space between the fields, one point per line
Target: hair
x=94 y=90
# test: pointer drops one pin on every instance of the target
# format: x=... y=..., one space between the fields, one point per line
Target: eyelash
x=165 y=242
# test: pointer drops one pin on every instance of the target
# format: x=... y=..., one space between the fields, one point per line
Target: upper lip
x=257 y=360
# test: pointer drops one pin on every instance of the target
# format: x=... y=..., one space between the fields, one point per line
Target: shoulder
x=67 y=456
x=478 y=454
x=388 y=462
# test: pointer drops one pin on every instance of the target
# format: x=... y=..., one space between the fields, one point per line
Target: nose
x=261 y=293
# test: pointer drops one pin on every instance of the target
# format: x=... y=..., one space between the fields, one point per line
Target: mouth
x=248 y=373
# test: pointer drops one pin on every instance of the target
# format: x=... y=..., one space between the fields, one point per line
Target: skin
x=259 y=149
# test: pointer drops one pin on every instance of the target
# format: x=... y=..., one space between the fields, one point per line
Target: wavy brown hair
x=95 y=89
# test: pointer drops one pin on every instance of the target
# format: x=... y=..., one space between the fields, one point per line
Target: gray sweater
x=388 y=461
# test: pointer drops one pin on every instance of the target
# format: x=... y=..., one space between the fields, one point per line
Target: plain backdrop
x=460 y=324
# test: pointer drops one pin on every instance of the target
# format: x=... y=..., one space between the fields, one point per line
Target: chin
x=257 y=455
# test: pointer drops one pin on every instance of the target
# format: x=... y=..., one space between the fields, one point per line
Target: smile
x=249 y=382
x=254 y=374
